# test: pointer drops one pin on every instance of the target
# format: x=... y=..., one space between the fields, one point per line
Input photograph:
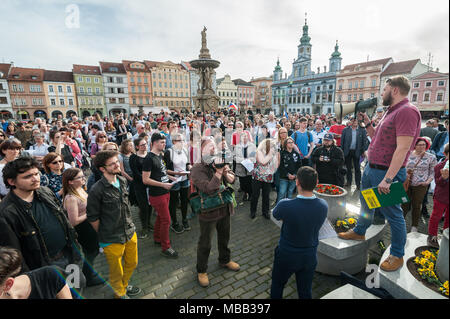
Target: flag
x=232 y=106
x=286 y=114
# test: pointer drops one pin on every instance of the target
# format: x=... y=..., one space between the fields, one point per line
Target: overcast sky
x=245 y=36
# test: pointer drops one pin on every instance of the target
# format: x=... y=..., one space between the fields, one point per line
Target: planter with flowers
x=335 y=196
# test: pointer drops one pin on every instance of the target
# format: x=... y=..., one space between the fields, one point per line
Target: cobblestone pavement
x=252 y=245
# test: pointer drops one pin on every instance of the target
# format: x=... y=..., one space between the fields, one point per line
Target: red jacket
x=441 y=190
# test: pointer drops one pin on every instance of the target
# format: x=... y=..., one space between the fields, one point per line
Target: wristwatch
x=388 y=180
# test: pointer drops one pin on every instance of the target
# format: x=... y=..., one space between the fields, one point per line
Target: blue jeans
x=183 y=184
x=394 y=214
x=287 y=263
x=286 y=189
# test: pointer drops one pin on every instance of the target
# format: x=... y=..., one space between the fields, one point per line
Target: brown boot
x=232 y=266
x=392 y=263
x=351 y=235
x=203 y=279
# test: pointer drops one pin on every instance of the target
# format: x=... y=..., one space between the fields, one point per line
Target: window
x=340 y=98
x=99 y=101
x=81 y=90
x=53 y=102
x=416 y=84
x=349 y=97
x=61 y=102
x=97 y=90
x=119 y=80
x=80 y=79
x=69 y=89
x=89 y=90
x=121 y=100
x=426 y=97
x=145 y=81
x=96 y=80
x=440 y=97
x=340 y=86
x=350 y=85
x=88 y=80
x=428 y=84
x=110 y=79
x=147 y=100
x=372 y=95
x=146 y=89
x=50 y=88
x=134 y=100
x=132 y=79
x=356 y=84
x=414 y=97
x=361 y=84
x=354 y=97
x=374 y=82
x=441 y=83
x=361 y=97
x=70 y=101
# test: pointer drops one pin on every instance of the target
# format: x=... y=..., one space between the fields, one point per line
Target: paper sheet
x=248 y=164
x=327 y=231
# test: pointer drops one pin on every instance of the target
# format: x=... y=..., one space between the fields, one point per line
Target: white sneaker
x=413 y=229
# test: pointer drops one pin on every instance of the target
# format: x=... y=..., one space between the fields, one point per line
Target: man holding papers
x=392 y=142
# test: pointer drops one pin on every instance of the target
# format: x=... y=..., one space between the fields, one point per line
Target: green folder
x=374 y=199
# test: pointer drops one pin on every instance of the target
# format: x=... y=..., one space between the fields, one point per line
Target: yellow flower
x=338 y=223
x=344 y=223
x=351 y=221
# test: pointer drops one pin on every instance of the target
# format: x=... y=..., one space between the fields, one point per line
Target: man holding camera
x=392 y=142
x=329 y=160
x=207 y=178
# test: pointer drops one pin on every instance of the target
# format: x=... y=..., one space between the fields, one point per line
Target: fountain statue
x=206 y=98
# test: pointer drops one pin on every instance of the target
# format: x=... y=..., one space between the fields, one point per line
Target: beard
x=388 y=100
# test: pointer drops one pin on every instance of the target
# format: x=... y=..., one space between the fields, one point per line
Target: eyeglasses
x=116 y=163
x=57 y=162
x=80 y=177
x=102 y=136
x=142 y=144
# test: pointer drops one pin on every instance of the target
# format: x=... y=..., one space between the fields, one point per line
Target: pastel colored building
x=263 y=93
x=227 y=91
x=89 y=90
x=171 y=85
x=115 y=82
x=429 y=92
x=27 y=93
x=6 y=110
x=139 y=86
x=408 y=69
x=60 y=94
x=246 y=93
x=304 y=90
x=360 y=81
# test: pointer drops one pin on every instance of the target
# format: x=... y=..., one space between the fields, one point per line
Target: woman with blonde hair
x=74 y=202
x=267 y=162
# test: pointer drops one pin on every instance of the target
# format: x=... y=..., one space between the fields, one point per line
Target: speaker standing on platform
x=392 y=142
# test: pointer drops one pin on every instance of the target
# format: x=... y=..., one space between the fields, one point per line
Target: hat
x=328 y=136
x=424 y=139
x=380 y=109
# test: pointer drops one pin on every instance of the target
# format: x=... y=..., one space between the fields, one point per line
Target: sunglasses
x=143 y=144
x=57 y=162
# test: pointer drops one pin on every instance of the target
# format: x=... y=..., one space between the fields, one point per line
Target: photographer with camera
x=329 y=159
x=210 y=176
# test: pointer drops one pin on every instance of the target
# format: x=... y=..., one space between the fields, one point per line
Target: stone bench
x=401 y=284
x=349 y=292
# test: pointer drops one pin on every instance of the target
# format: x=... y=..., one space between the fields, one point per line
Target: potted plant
x=335 y=196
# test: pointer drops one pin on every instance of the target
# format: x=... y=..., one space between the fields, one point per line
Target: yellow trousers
x=120 y=273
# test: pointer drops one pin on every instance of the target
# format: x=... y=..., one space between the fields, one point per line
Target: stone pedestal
x=335 y=254
x=349 y=292
x=401 y=284
x=442 y=260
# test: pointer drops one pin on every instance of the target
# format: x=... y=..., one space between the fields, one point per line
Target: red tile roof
x=106 y=67
x=403 y=67
x=151 y=64
x=86 y=69
x=127 y=66
x=26 y=74
x=431 y=75
x=4 y=70
x=58 y=76
x=352 y=67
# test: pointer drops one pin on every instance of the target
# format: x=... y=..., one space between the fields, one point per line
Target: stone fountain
x=206 y=98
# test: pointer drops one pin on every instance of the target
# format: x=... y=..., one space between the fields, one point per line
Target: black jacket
x=19 y=230
x=362 y=143
x=112 y=207
x=329 y=171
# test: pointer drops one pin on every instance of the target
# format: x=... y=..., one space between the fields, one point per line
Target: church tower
x=302 y=66
x=335 y=60
x=278 y=72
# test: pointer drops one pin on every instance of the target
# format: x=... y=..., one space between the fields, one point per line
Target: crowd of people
x=67 y=185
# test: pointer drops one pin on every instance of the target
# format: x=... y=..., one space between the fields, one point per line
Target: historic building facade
x=27 y=93
x=305 y=91
x=361 y=81
x=6 y=110
x=90 y=92
x=227 y=91
x=408 y=69
x=263 y=93
x=246 y=93
x=171 y=85
x=429 y=92
x=139 y=85
x=60 y=94
x=115 y=82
